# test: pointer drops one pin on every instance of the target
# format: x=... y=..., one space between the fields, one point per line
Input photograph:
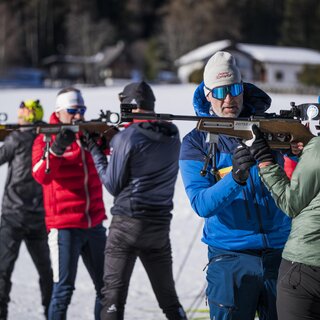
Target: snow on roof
x=203 y=52
x=263 y=53
x=281 y=54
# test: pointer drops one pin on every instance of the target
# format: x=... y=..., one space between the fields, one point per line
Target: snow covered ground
x=189 y=254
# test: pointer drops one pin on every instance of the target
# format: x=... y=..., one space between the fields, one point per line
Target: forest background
x=157 y=32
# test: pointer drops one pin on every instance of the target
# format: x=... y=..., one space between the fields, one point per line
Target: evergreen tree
x=261 y=21
x=300 y=25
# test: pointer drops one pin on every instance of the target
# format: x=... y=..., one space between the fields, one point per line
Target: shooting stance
x=22 y=217
x=244 y=230
x=73 y=204
x=141 y=175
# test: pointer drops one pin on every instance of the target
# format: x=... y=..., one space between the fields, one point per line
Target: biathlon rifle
x=101 y=126
x=279 y=130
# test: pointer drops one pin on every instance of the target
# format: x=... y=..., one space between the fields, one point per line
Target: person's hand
x=88 y=140
x=296 y=148
x=260 y=149
x=242 y=161
x=91 y=139
x=63 y=139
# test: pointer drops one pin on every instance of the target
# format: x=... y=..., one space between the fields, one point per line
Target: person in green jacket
x=298 y=286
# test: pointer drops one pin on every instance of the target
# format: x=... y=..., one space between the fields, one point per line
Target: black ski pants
x=11 y=236
x=128 y=239
x=298 y=291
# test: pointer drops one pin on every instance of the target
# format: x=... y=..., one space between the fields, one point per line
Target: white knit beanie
x=220 y=70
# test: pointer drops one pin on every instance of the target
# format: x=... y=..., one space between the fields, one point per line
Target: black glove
x=88 y=140
x=260 y=149
x=242 y=161
x=64 y=139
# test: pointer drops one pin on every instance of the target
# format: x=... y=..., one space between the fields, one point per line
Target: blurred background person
x=22 y=217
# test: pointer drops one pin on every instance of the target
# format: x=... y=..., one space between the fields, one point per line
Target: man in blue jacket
x=141 y=175
x=244 y=230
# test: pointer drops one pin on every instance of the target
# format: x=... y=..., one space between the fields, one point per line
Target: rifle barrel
x=161 y=116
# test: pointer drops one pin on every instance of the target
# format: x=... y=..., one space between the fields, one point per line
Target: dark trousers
x=66 y=246
x=298 y=291
x=11 y=236
x=128 y=239
x=242 y=283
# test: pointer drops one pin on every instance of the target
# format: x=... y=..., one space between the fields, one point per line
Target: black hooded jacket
x=143 y=169
x=22 y=197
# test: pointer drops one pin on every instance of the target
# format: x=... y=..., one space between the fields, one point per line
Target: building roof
x=106 y=57
x=263 y=53
x=203 y=52
x=277 y=54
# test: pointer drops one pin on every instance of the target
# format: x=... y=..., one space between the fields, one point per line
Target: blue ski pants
x=66 y=246
x=242 y=283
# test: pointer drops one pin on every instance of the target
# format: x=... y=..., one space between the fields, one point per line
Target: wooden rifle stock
x=278 y=132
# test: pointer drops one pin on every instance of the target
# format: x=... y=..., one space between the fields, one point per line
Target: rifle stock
x=278 y=132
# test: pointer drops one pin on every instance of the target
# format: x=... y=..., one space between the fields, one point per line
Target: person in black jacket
x=141 y=175
x=22 y=217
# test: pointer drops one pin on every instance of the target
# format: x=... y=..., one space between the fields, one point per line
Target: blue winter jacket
x=143 y=169
x=236 y=217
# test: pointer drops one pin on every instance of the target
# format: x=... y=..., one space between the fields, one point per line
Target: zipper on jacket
x=264 y=195
x=256 y=205
x=86 y=189
x=246 y=198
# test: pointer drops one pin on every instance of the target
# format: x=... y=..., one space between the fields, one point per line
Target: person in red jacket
x=73 y=204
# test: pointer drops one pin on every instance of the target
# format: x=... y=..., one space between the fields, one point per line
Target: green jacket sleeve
x=293 y=196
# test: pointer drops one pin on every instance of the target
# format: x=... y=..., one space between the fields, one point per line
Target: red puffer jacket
x=72 y=189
